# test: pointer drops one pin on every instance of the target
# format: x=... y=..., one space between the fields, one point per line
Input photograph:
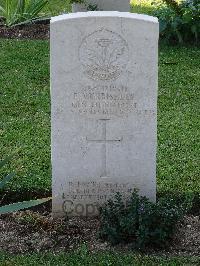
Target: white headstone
x=112 y=5
x=104 y=102
x=103 y=5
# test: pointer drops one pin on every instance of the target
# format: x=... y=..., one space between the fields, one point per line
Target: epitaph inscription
x=92 y=192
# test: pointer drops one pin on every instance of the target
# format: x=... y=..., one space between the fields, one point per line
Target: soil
x=38 y=31
x=30 y=231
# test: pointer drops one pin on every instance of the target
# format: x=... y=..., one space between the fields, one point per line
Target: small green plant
x=179 y=22
x=17 y=12
x=77 y=1
x=19 y=205
x=92 y=7
x=140 y=221
x=89 y=6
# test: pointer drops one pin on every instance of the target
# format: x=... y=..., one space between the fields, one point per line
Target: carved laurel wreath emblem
x=103 y=55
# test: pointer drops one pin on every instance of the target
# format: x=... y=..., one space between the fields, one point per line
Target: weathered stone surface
x=103 y=5
x=103 y=100
x=76 y=7
x=112 y=5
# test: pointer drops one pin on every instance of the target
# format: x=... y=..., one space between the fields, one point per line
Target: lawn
x=82 y=257
x=56 y=7
x=25 y=117
x=142 y=6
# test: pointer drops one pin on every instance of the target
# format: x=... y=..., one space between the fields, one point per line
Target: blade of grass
x=33 y=10
x=22 y=205
x=2 y=10
x=40 y=18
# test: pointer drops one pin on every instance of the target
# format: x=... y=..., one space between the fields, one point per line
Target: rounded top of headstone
x=77 y=15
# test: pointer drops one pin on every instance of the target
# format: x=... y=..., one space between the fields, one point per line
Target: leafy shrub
x=19 y=205
x=18 y=12
x=140 y=221
x=179 y=22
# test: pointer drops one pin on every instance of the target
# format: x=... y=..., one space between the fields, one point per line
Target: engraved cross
x=104 y=141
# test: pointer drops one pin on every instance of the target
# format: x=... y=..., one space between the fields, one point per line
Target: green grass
x=25 y=110
x=56 y=7
x=178 y=120
x=98 y=259
x=25 y=116
x=142 y=7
